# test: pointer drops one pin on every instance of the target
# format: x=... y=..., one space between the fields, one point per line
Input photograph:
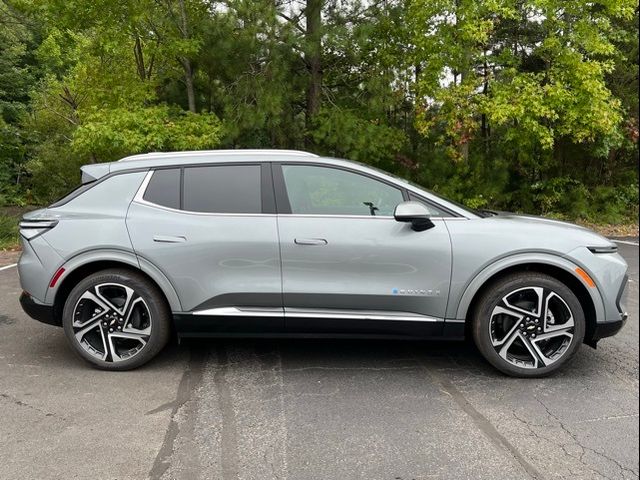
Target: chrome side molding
x=314 y=313
x=241 y=312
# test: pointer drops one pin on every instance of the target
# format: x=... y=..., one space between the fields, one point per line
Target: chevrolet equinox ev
x=286 y=243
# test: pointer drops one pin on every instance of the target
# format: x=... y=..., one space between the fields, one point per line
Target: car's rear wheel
x=116 y=319
x=528 y=324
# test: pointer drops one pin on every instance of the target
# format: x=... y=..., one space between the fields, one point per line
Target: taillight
x=32 y=228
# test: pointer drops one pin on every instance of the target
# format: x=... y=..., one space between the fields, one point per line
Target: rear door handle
x=310 y=241
x=169 y=238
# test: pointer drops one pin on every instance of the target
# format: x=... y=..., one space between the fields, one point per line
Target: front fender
x=458 y=308
x=119 y=256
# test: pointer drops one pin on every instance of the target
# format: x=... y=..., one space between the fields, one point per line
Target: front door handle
x=169 y=238
x=310 y=241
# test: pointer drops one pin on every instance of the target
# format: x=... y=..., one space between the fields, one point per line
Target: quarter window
x=223 y=189
x=164 y=188
x=332 y=191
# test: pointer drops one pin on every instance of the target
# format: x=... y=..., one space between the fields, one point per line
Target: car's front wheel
x=116 y=319
x=528 y=324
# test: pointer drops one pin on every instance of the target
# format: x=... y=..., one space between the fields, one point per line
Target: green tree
x=518 y=104
x=18 y=73
x=106 y=62
x=518 y=85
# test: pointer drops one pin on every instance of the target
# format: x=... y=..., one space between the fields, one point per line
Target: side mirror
x=415 y=213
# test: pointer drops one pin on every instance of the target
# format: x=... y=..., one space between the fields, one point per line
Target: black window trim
x=283 y=206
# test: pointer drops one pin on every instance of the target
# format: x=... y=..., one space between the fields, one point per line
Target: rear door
x=347 y=265
x=211 y=229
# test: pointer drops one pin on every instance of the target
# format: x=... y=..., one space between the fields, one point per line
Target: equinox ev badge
x=422 y=292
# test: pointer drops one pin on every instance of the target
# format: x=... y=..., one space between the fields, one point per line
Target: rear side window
x=164 y=188
x=223 y=189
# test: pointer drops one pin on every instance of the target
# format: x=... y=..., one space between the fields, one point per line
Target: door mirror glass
x=414 y=213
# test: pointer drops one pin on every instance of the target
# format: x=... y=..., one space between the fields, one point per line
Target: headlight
x=605 y=249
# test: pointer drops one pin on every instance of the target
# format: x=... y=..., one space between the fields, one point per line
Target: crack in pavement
x=529 y=426
x=482 y=422
x=584 y=449
x=229 y=435
x=191 y=378
x=21 y=403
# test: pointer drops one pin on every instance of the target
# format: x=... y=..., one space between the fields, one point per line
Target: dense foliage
x=526 y=105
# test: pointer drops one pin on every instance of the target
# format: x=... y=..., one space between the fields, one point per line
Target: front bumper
x=38 y=311
x=607 y=329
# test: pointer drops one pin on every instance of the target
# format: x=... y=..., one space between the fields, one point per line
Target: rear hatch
x=39 y=221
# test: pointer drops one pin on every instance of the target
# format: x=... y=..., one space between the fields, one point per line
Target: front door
x=347 y=265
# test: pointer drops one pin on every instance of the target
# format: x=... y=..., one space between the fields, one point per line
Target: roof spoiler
x=93 y=172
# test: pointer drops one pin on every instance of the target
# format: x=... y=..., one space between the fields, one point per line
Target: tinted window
x=433 y=210
x=164 y=188
x=332 y=191
x=223 y=189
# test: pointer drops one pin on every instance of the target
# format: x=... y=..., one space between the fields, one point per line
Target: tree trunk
x=465 y=71
x=188 y=80
x=313 y=57
x=139 y=56
x=186 y=63
x=485 y=91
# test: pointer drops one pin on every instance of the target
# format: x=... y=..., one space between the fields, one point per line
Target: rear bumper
x=38 y=311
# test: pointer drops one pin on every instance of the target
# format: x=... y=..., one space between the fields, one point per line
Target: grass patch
x=9 y=234
x=612 y=230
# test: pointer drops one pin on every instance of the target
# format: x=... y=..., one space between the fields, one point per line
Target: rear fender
x=119 y=256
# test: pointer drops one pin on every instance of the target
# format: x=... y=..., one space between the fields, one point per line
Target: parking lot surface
x=321 y=409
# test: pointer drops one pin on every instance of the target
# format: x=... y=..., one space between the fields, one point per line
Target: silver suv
x=254 y=243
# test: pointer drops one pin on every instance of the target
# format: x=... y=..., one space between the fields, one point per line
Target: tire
x=528 y=324
x=116 y=319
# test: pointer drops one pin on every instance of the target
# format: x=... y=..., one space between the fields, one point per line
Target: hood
x=533 y=219
x=529 y=230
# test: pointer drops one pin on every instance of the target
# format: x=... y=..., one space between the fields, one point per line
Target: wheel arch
x=81 y=266
x=560 y=269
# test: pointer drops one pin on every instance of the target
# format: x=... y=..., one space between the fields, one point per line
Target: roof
x=166 y=159
x=197 y=154
x=160 y=159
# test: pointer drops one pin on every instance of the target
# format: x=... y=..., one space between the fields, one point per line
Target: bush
x=561 y=195
x=568 y=198
x=9 y=234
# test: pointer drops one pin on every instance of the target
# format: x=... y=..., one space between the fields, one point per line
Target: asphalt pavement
x=313 y=409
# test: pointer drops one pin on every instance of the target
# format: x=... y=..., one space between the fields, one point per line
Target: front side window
x=331 y=191
x=433 y=210
x=223 y=189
